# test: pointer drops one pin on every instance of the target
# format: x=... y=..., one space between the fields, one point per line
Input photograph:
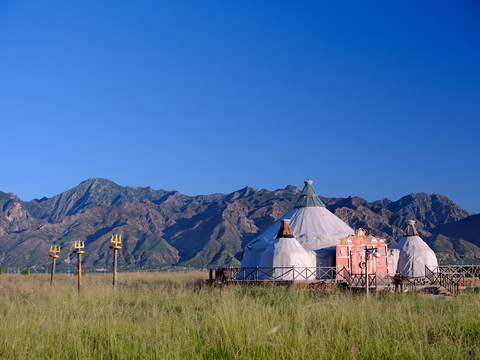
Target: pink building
x=351 y=254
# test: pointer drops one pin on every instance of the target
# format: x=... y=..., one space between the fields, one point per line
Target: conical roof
x=285 y=231
x=308 y=197
x=313 y=225
x=410 y=229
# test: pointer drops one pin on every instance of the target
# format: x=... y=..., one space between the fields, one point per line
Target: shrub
x=25 y=272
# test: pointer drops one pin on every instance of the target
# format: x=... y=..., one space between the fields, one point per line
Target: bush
x=25 y=272
x=2 y=269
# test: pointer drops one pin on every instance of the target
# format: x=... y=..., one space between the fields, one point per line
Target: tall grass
x=176 y=316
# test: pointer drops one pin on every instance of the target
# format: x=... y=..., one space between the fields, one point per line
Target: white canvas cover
x=392 y=260
x=414 y=255
x=253 y=252
x=314 y=228
x=285 y=253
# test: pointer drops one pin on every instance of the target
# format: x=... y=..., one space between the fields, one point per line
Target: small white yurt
x=284 y=253
x=314 y=226
x=414 y=253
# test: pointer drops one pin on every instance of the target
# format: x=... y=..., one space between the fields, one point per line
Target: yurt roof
x=308 y=197
x=312 y=224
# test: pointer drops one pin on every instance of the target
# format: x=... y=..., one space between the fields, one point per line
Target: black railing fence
x=467 y=271
x=451 y=277
x=297 y=274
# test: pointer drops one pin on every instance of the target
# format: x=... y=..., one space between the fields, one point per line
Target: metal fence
x=359 y=280
x=272 y=274
x=451 y=277
x=467 y=271
x=299 y=274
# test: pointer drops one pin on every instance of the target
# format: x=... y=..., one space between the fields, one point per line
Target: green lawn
x=176 y=316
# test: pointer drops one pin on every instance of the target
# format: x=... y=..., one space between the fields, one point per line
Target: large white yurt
x=253 y=252
x=414 y=253
x=314 y=227
x=285 y=252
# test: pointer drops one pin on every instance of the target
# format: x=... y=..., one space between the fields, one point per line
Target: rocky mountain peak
x=166 y=228
x=13 y=196
x=292 y=189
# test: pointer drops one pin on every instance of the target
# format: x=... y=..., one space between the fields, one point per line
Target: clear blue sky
x=375 y=99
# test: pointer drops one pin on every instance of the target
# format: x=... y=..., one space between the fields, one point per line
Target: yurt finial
x=410 y=229
x=285 y=231
x=308 y=196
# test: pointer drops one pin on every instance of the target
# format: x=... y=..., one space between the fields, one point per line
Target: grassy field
x=176 y=316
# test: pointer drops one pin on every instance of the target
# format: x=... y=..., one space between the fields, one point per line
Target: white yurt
x=314 y=226
x=414 y=253
x=285 y=252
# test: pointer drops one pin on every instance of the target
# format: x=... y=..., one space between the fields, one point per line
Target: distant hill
x=458 y=241
x=166 y=228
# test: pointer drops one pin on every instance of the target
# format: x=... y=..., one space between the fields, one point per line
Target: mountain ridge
x=164 y=228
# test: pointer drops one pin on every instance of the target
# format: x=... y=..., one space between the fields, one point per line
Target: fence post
x=256 y=274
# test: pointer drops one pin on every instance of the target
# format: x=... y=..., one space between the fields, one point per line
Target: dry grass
x=176 y=316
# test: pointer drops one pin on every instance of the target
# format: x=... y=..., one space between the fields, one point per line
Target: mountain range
x=161 y=229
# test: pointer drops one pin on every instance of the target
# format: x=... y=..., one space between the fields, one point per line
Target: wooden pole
x=366 y=271
x=54 y=251
x=114 y=269
x=79 y=272
x=116 y=241
x=79 y=245
x=53 y=271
